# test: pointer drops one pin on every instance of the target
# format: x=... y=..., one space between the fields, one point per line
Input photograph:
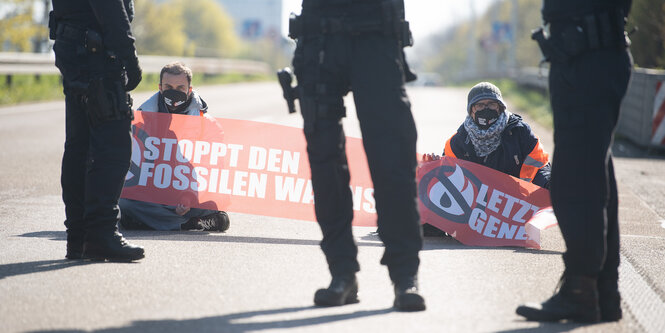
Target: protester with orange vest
x=498 y=139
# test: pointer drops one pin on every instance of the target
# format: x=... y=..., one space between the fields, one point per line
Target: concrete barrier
x=643 y=109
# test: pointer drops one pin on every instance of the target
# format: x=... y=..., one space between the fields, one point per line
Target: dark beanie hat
x=484 y=90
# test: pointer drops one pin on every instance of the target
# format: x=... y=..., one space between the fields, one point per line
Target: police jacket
x=109 y=18
x=554 y=10
x=520 y=153
x=355 y=6
x=197 y=106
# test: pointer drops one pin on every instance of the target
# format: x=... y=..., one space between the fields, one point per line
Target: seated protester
x=494 y=137
x=175 y=95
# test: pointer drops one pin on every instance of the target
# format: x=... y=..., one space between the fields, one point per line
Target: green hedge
x=23 y=88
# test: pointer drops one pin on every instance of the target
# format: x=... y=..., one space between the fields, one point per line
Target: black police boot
x=609 y=300
x=407 y=297
x=342 y=290
x=112 y=247
x=74 y=244
x=576 y=300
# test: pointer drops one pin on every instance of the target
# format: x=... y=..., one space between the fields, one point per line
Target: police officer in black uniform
x=95 y=53
x=589 y=73
x=345 y=45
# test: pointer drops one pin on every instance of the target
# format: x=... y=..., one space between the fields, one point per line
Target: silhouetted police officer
x=345 y=45
x=95 y=53
x=589 y=73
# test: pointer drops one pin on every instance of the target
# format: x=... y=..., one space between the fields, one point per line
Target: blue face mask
x=485 y=118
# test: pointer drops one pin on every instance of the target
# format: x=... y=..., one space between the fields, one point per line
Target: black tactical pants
x=586 y=94
x=96 y=158
x=371 y=65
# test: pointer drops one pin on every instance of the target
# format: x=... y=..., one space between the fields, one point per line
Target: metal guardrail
x=44 y=63
x=534 y=77
x=642 y=109
x=639 y=121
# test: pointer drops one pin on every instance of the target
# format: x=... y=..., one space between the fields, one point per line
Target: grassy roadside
x=533 y=102
x=31 y=88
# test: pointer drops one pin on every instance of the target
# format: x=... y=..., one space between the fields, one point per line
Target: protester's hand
x=134 y=72
x=430 y=157
x=181 y=209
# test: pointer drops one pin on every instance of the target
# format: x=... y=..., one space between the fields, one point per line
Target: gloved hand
x=133 y=72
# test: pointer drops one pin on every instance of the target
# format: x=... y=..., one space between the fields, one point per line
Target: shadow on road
x=237 y=322
x=194 y=236
x=553 y=327
x=627 y=149
x=450 y=243
x=217 y=237
x=52 y=235
x=370 y=239
x=30 y=267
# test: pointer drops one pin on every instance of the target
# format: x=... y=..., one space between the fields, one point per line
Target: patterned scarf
x=486 y=141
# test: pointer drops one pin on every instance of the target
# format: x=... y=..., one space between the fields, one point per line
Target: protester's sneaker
x=218 y=221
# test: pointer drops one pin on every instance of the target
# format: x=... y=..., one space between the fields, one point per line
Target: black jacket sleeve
x=543 y=176
x=114 y=22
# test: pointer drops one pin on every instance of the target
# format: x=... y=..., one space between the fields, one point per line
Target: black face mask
x=175 y=100
x=486 y=118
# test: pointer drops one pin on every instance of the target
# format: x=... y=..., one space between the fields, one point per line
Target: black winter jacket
x=520 y=153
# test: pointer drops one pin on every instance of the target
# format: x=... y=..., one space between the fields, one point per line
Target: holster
x=550 y=51
x=106 y=100
x=52 y=25
x=572 y=37
x=100 y=87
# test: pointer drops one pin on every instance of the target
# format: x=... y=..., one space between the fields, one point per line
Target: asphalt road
x=261 y=274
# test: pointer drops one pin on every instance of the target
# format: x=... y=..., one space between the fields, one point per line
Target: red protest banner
x=258 y=168
x=481 y=206
x=233 y=165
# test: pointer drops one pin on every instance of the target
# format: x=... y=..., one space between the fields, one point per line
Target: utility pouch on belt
x=308 y=111
x=295 y=26
x=52 y=26
x=93 y=41
x=571 y=37
x=407 y=37
x=106 y=100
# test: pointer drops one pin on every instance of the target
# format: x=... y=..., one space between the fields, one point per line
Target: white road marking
x=642 y=301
